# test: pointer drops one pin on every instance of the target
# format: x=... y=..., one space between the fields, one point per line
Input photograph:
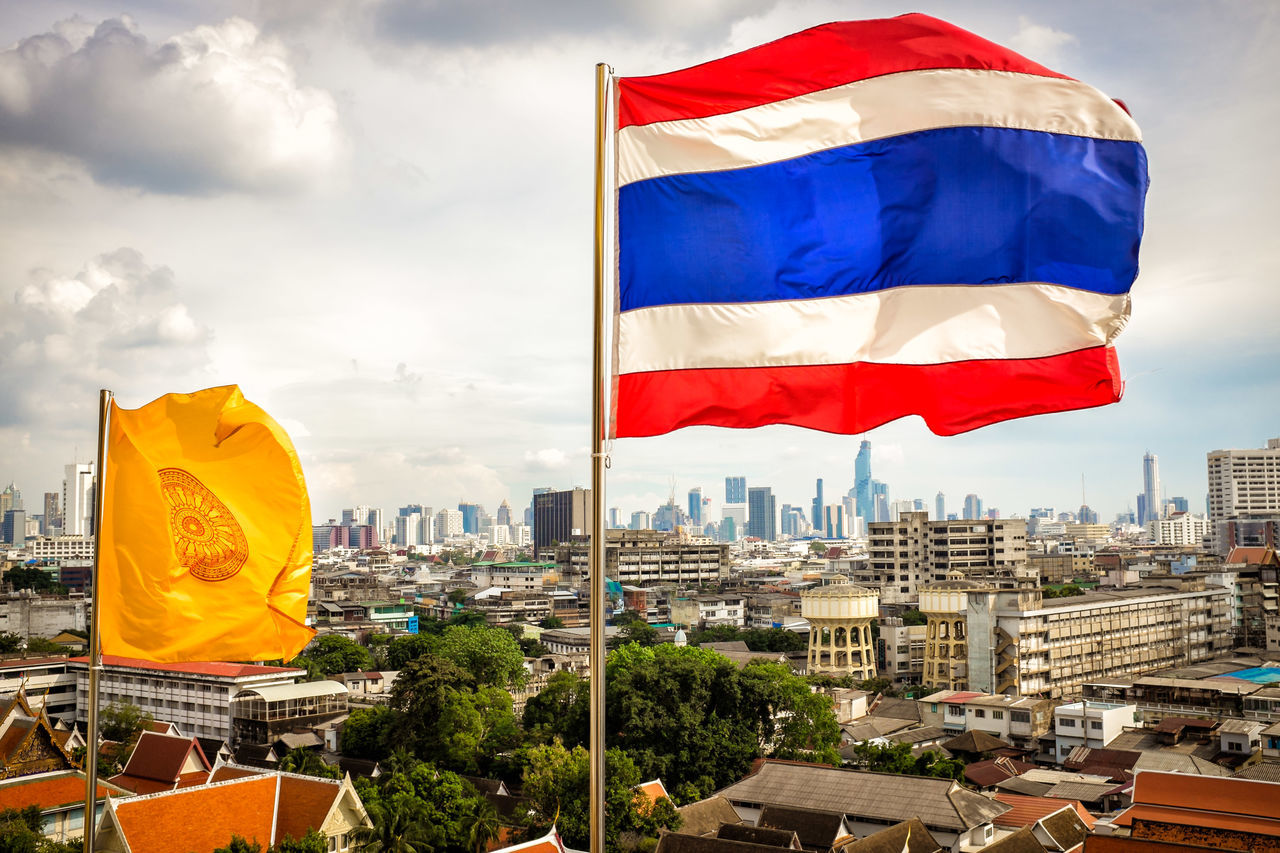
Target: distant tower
x=695 y=508
x=735 y=490
x=1151 y=488
x=844 y=612
x=940 y=507
x=864 y=502
x=77 y=499
x=946 y=651
x=972 y=506
x=816 y=515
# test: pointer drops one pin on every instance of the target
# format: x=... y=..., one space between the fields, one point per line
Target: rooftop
x=221 y=669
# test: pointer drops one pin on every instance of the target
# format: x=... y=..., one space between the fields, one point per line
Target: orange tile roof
x=653 y=791
x=304 y=805
x=1027 y=810
x=1208 y=794
x=227 y=772
x=47 y=792
x=219 y=668
x=243 y=807
x=1191 y=817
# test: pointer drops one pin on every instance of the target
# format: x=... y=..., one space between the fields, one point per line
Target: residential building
x=1244 y=495
x=1018 y=643
x=558 y=516
x=1180 y=528
x=508 y=607
x=707 y=611
x=772 y=610
x=762 y=513
x=195 y=696
x=645 y=557
x=900 y=650
x=1060 y=567
x=1091 y=724
x=1020 y=721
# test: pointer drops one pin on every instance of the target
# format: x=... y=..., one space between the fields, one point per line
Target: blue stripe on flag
x=968 y=205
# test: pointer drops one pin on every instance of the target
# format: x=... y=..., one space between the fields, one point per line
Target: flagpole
x=595 y=551
x=95 y=649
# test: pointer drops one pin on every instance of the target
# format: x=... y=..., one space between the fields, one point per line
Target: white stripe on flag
x=879 y=107
x=922 y=324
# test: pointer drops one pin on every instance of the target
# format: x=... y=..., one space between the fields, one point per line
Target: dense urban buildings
x=1244 y=496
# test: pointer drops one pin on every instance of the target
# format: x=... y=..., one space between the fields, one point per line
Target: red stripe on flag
x=810 y=61
x=851 y=398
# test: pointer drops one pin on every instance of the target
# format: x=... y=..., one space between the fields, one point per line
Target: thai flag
x=868 y=220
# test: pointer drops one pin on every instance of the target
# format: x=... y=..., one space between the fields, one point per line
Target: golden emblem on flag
x=206 y=536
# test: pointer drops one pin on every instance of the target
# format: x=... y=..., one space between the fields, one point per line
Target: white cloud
x=547 y=459
x=1041 y=43
x=212 y=109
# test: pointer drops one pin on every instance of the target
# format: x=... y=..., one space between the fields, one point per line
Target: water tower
x=842 y=613
x=945 y=605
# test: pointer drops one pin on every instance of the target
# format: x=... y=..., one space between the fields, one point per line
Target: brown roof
x=885 y=798
x=1112 y=763
x=975 y=741
x=308 y=802
x=706 y=816
x=1025 y=810
x=1065 y=828
x=987 y=773
x=813 y=828
x=910 y=836
x=1022 y=841
x=1241 y=805
x=161 y=757
x=678 y=842
x=785 y=838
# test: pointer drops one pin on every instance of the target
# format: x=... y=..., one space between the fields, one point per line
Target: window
x=1234 y=746
x=997 y=715
x=1066 y=723
x=1096 y=725
x=1020 y=716
x=978 y=712
x=954 y=710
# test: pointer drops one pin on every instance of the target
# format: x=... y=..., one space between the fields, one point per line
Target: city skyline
x=407 y=291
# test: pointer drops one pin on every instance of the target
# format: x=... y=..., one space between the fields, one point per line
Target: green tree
x=481 y=824
x=33 y=578
x=240 y=845
x=421 y=695
x=367 y=733
x=44 y=646
x=474 y=728
x=636 y=631
x=897 y=758
x=397 y=828
x=467 y=619
x=790 y=720
x=551 y=622
x=122 y=721
x=913 y=617
x=10 y=642
x=491 y=655
x=312 y=842
x=406 y=647
x=333 y=654
x=307 y=763
x=562 y=710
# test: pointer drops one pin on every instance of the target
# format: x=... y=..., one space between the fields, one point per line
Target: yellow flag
x=206 y=533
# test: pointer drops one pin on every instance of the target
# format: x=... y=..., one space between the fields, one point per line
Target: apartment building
x=1060 y=568
x=912 y=551
x=197 y=697
x=900 y=650
x=772 y=610
x=505 y=606
x=1091 y=724
x=1020 y=721
x=706 y=611
x=1015 y=642
x=647 y=557
x=1244 y=488
x=515 y=576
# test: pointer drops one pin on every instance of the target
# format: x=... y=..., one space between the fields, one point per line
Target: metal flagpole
x=95 y=649
x=595 y=551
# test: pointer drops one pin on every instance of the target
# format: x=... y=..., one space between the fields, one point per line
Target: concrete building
x=1091 y=724
x=1180 y=528
x=57 y=548
x=1060 y=568
x=707 y=611
x=195 y=696
x=762 y=513
x=840 y=616
x=30 y=615
x=1022 y=644
x=913 y=550
x=646 y=557
x=946 y=655
x=1020 y=721
x=558 y=516
x=1244 y=487
x=77 y=499
x=900 y=650
x=1152 y=502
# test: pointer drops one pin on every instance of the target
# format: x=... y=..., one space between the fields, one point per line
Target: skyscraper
x=762 y=513
x=504 y=514
x=695 y=507
x=1151 y=487
x=52 y=514
x=77 y=499
x=879 y=501
x=972 y=507
x=940 y=507
x=559 y=515
x=816 y=515
x=834 y=522
x=865 y=502
x=735 y=490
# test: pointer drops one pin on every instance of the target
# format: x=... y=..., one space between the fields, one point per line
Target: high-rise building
x=1142 y=508
x=1087 y=515
x=1244 y=496
x=815 y=517
x=77 y=500
x=835 y=522
x=695 y=508
x=864 y=501
x=504 y=514
x=972 y=507
x=1151 y=488
x=13 y=527
x=52 y=514
x=10 y=498
x=880 y=501
x=641 y=521
x=733 y=522
x=528 y=513
x=762 y=513
x=615 y=518
x=940 y=507
x=408 y=531
x=448 y=523
x=471 y=516
x=1180 y=504
x=559 y=515
x=735 y=490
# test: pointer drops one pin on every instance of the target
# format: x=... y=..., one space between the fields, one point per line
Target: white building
x=1244 y=485
x=77 y=499
x=448 y=523
x=1179 y=528
x=58 y=548
x=1091 y=724
x=408 y=532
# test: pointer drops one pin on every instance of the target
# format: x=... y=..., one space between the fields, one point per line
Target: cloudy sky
x=375 y=216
